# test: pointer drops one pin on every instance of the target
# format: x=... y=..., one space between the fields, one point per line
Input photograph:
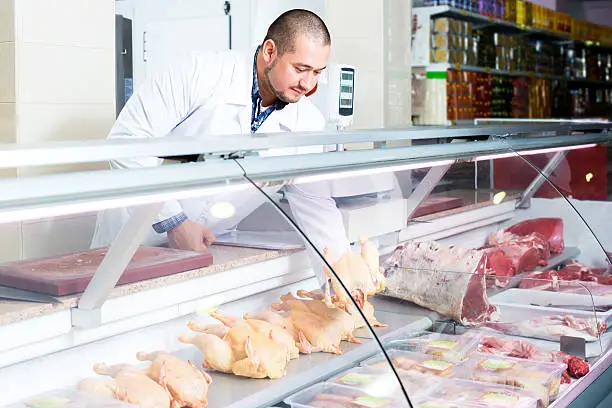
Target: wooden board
x=434 y=204
x=71 y=273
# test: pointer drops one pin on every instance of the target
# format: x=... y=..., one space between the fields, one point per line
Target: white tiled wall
x=66 y=121
x=59 y=85
x=7 y=72
x=7 y=122
x=66 y=22
x=61 y=74
x=7 y=21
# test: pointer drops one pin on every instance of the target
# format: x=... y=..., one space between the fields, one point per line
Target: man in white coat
x=230 y=93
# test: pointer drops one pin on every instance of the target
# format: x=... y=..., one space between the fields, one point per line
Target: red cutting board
x=71 y=273
x=434 y=204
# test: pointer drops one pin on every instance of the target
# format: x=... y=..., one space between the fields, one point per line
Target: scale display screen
x=346 y=91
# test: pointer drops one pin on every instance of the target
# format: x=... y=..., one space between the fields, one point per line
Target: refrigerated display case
x=386 y=294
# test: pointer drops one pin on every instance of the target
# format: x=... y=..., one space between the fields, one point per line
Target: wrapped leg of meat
x=450 y=281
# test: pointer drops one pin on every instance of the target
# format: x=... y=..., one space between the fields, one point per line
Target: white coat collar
x=239 y=93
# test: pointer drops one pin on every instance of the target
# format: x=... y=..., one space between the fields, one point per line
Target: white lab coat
x=211 y=95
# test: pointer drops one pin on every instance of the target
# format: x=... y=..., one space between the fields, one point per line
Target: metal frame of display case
x=26 y=198
x=29 y=198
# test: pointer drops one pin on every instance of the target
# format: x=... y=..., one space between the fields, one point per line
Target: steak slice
x=447 y=280
x=550 y=228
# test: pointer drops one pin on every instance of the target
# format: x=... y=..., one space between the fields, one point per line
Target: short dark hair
x=293 y=23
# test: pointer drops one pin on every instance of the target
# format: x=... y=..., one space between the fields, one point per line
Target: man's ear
x=313 y=90
x=269 y=50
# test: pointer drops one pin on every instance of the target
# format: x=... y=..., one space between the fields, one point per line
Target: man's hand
x=191 y=236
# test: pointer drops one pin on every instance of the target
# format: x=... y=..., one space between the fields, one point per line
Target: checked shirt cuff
x=170 y=223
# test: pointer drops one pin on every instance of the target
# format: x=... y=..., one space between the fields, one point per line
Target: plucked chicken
x=277 y=319
x=367 y=309
x=330 y=314
x=134 y=386
x=217 y=353
x=277 y=334
x=187 y=384
x=254 y=354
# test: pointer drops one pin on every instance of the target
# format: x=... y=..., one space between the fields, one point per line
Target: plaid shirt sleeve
x=170 y=223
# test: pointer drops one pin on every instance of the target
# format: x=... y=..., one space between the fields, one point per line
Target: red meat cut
x=447 y=280
x=550 y=228
x=573 y=271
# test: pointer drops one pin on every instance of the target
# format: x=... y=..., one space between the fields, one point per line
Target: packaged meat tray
x=543 y=379
x=577 y=304
x=548 y=315
x=418 y=363
x=482 y=394
x=433 y=403
x=445 y=346
x=67 y=398
x=326 y=395
x=376 y=382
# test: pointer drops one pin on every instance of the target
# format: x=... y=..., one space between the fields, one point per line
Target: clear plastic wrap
x=417 y=363
x=454 y=348
x=482 y=394
x=544 y=379
x=333 y=395
x=379 y=381
x=67 y=398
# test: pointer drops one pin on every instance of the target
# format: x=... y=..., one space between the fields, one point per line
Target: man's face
x=294 y=74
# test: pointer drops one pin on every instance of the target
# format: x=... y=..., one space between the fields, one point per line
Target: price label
x=436 y=365
x=457 y=66
x=500 y=398
x=442 y=344
x=372 y=402
x=494 y=364
x=355 y=378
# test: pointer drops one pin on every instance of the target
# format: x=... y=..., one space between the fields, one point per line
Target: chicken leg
x=187 y=384
x=135 y=387
x=278 y=335
x=218 y=330
x=229 y=321
x=370 y=255
x=217 y=353
x=269 y=316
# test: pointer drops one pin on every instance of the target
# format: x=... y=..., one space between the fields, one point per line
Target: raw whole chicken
x=217 y=353
x=332 y=315
x=277 y=334
x=187 y=384
x=369 y=253
x=321 y=335
x=254 y=354
x=134 y=386
x=367 y=309
x=106 y=387
x=355 y=274
x=360 y=273
x=283 y=321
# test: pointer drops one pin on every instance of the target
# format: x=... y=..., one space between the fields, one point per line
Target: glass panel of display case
x=444 y=288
